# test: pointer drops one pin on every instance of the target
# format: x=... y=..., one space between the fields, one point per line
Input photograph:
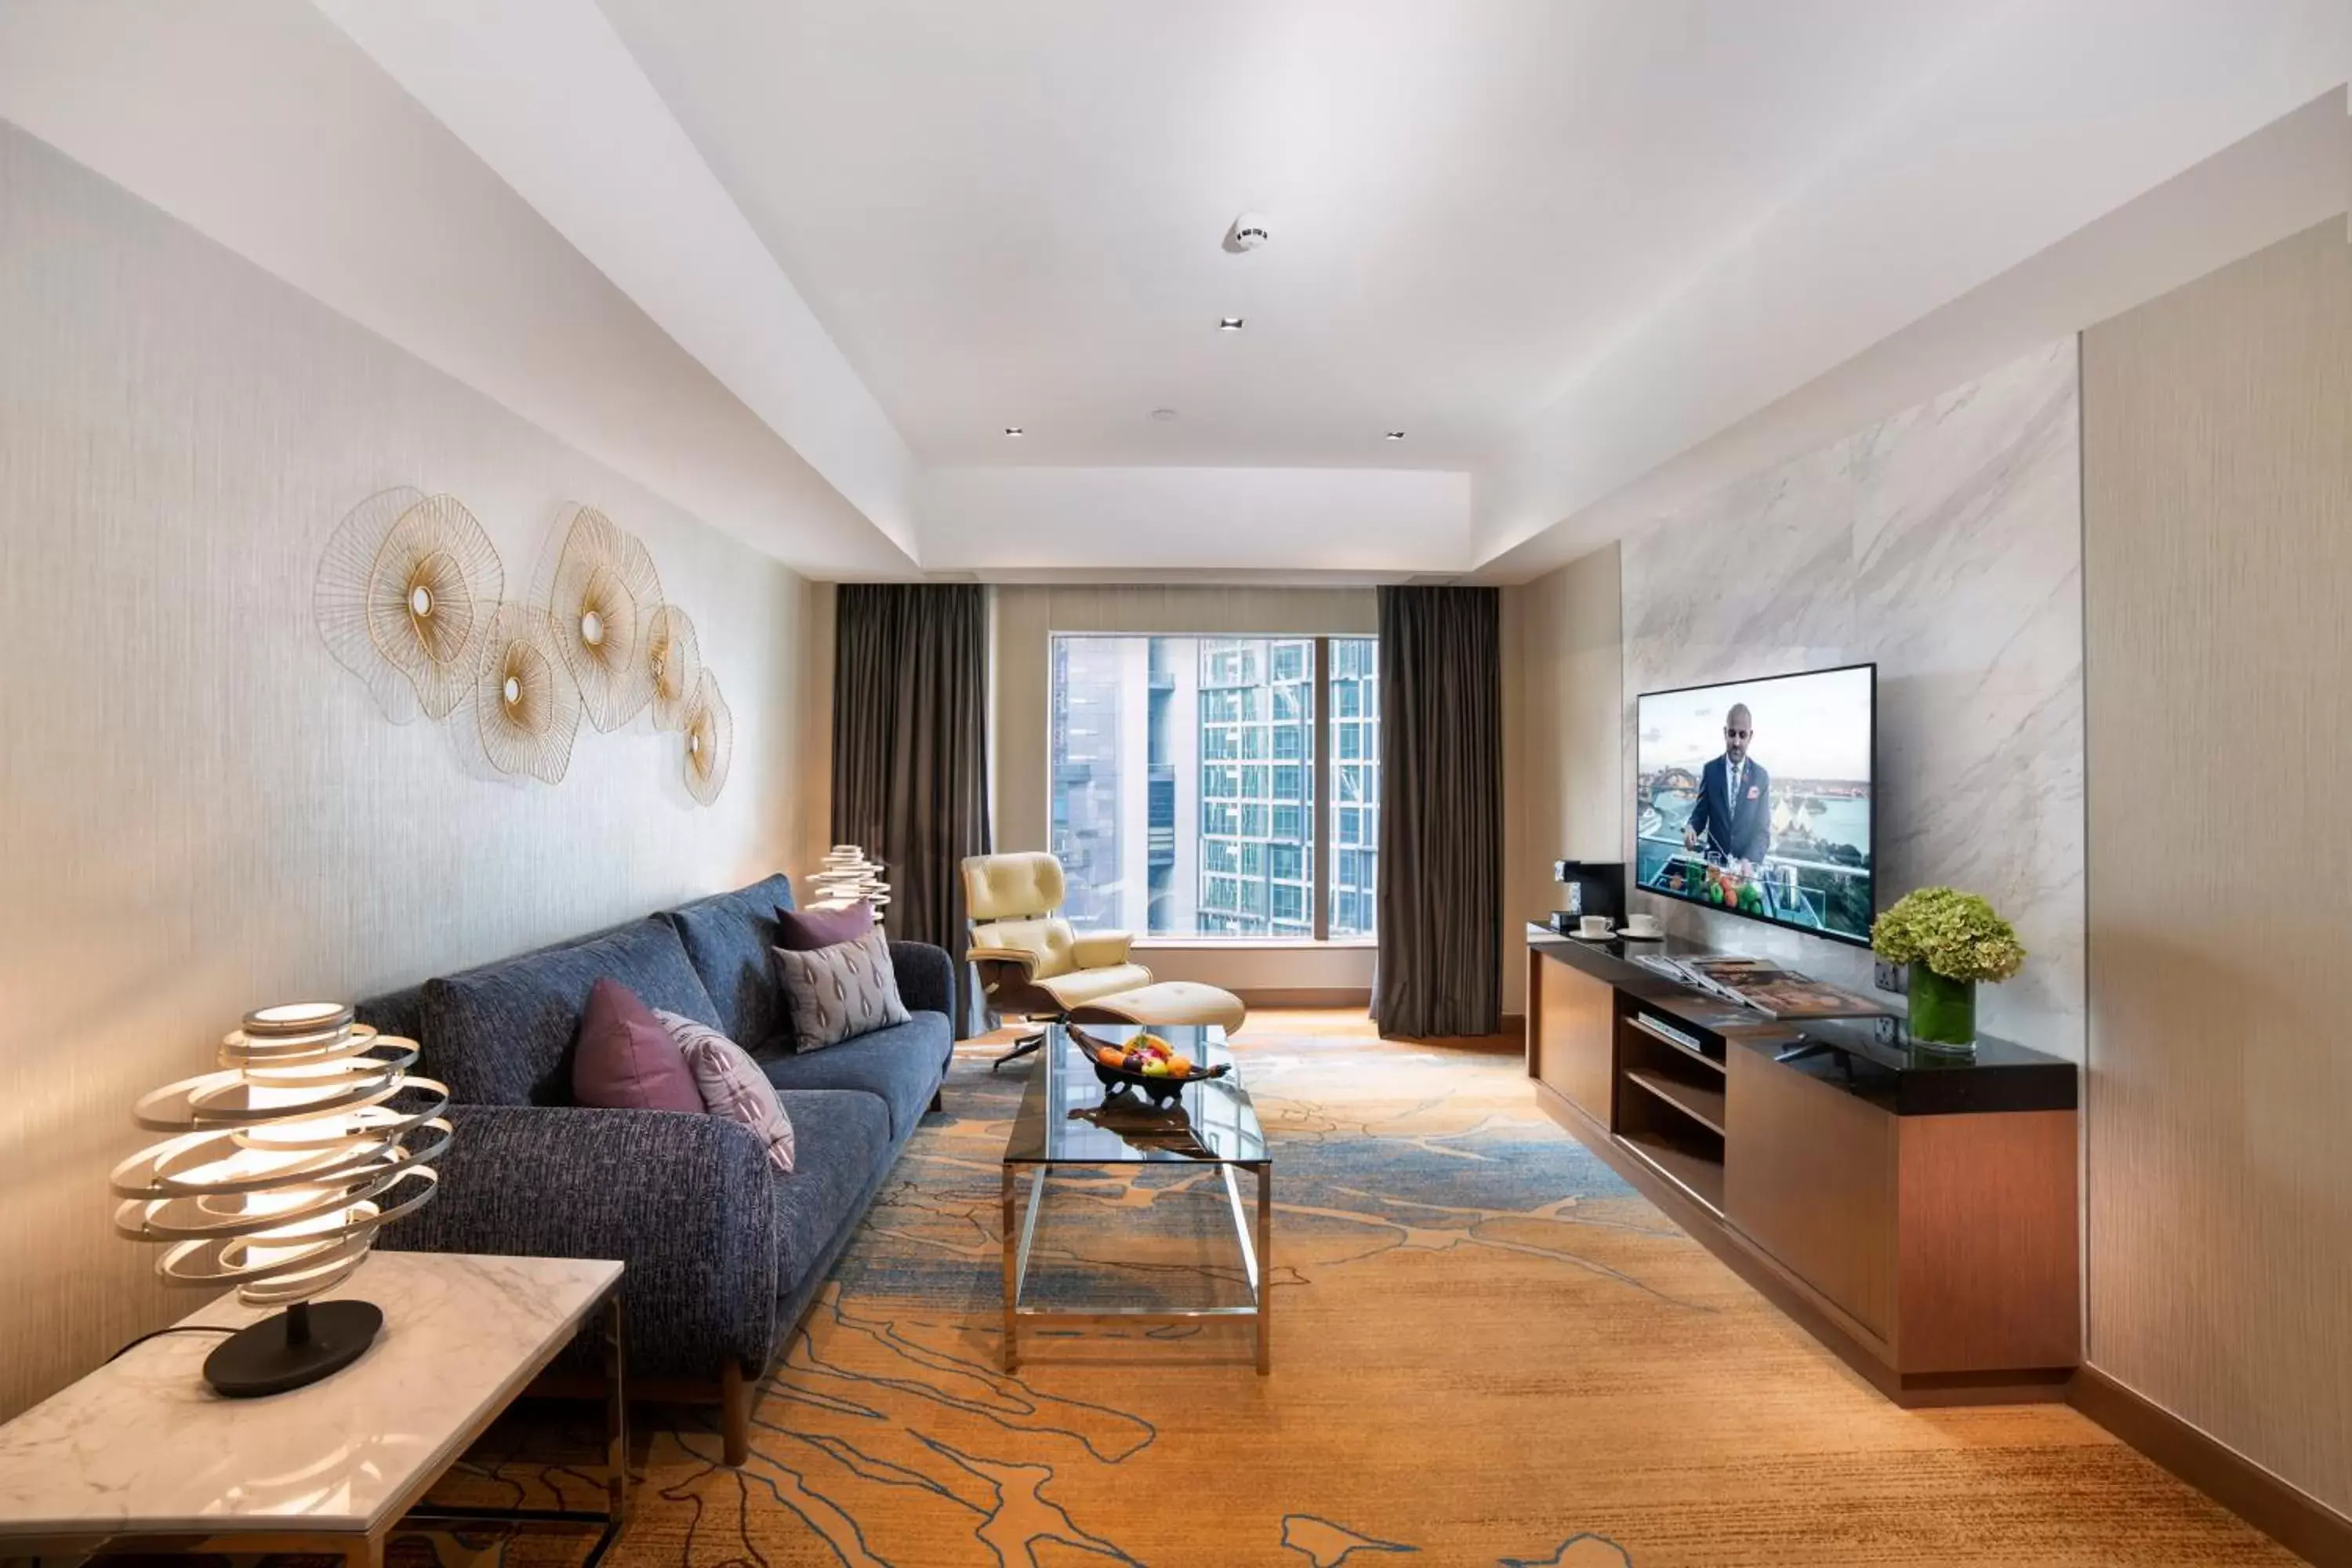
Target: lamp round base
x=307 y=1341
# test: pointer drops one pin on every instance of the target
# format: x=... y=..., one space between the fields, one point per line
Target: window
x=1204 y=785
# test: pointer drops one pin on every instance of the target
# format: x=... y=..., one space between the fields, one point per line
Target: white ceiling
x=796 y=263
x=1011 y=214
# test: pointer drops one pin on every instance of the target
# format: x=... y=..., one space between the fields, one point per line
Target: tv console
x=1916 y=1213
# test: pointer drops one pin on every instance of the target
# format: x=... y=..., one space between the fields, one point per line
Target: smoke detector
x=1248 y=232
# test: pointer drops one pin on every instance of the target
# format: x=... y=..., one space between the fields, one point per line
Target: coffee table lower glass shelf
x=1068 y=1120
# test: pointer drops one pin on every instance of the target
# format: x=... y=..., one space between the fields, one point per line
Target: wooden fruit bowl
x=1159 y=1088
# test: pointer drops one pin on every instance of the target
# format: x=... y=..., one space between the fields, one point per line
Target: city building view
x=1185 y=797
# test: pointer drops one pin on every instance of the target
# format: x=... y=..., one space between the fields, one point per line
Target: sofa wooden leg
x=735 y=1413
x=938 y=1100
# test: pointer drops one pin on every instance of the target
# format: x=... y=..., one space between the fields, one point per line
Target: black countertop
x=1862 y=1057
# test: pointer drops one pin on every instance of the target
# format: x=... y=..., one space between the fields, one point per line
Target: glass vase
x=1943 y=1011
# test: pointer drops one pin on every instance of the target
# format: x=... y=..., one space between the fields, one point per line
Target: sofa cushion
x=627 y=1060
x=841 y=1139
x=805 y=931
x=904 y=1064
x=840 y=992
x=731 y=1084
x=729 y=936
x=503 y=1034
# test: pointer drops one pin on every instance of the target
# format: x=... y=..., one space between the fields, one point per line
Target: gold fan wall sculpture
x=526 y=704
x=603 y=600
x=676 y=658
x=402 y=595
x=709 y=745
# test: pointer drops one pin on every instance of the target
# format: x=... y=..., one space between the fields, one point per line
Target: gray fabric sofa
x=723 y=1253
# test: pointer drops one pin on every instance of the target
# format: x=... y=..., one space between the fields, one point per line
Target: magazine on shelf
x=1778 y=993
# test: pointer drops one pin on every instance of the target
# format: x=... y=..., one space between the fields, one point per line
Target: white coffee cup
x=1592 y=925
x=1641 y=925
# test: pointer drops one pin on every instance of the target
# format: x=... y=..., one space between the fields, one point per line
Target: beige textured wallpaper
x=200 y=811
x=2217 y=450
x=1563 y=673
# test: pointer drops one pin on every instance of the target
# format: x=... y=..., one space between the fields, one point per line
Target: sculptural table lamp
x=849 y=877
x=285 y=1163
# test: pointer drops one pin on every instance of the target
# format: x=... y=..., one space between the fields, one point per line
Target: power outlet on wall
x=1894 y=977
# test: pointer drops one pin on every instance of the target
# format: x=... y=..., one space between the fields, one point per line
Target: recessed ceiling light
x=1229 y=323
x=1394 y=435
x=1014 y=430
x=1163 y=415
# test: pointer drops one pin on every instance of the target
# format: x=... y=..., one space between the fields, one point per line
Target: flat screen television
x=1755 y=797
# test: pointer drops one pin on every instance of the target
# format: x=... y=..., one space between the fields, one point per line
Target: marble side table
x=142 y=1455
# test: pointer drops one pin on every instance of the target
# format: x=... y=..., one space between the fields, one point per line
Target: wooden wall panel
x=2218 y=515
x=1564 y=722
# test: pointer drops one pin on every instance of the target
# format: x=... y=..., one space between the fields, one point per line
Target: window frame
x=1322 y=807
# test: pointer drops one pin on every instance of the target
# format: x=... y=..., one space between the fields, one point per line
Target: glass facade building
x=1186 y=782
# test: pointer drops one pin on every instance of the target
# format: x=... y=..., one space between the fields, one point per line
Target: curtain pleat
x=910 y=753
x=1441 y=813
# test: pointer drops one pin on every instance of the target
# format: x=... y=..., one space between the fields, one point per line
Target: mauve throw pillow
x=733 y=1085
x=625 y=1060
x=805 y=931
x=840 y=992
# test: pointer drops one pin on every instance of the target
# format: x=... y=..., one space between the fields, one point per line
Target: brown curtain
x=910 y=753
x=1441 y=813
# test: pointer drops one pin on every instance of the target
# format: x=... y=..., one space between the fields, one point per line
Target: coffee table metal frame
x=1256 y=1239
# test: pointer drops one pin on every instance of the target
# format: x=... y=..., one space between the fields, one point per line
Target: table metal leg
x=1265 y=1268
x=616 y=1481
x=616 y=1414
x=1011 y=1280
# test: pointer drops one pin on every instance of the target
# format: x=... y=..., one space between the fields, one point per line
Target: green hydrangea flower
x=1956 y=934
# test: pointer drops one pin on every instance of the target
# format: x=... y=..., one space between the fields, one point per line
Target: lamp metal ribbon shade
x=606 y=594
x=285 y=1161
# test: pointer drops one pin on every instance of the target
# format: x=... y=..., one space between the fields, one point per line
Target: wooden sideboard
x=1916 y=1213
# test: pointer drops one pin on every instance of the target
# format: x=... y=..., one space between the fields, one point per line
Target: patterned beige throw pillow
x=838 y=991
x=733 y=1085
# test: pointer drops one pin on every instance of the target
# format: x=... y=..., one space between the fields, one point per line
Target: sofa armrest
x=1101 y=949
x=927 y=977
x=685 y=1203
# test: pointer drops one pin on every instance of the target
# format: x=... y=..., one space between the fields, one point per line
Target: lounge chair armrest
x=1101 y=949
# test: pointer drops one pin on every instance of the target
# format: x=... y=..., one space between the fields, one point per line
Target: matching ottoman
x=1165 y=1002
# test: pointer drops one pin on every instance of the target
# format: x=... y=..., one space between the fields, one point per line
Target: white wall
x=1563 y=673
x=200 y=811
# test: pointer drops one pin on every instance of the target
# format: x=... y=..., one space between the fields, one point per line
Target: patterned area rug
x=1487 y=1350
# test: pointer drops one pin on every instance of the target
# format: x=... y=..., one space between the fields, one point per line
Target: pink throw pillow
x=733 y=1085
x=625 y=1060
x=805 y=931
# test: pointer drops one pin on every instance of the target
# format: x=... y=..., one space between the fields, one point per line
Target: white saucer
x=1593 y=936
x=1631 y=935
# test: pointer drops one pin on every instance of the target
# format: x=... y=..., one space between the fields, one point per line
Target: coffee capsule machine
x=1589 y=887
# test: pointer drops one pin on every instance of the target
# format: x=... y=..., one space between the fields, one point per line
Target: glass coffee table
x=1068 y=1118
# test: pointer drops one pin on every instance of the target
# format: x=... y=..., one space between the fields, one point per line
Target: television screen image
x=1754 y=797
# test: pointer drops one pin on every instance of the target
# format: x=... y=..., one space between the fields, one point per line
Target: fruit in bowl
x=1147 y=1062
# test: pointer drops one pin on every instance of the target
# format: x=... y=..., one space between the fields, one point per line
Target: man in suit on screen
x=1733 y=814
